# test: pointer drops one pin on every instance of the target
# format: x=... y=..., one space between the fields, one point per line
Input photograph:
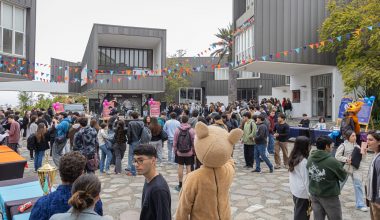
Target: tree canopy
x=177 y=73
x=358 y=52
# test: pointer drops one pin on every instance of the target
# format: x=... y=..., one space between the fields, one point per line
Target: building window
x=221 y=73
x=296 y=96
x=125 y=57
x=249 y=75
x=12 y=29
x=287 y=80
x=244 y=45
x=250 y=4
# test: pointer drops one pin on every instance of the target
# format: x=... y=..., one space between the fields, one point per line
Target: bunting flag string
x=179 y=67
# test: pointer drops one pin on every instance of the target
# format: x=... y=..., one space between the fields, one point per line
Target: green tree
x=358 y=54
x=25 y=101
x=225 y=50
x=177 y=72
x=43 y=102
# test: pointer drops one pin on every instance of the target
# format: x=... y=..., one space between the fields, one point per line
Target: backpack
x=31 y=142
x=184 y=143
x=146 y=135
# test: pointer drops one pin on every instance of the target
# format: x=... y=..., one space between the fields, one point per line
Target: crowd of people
x=80 y=145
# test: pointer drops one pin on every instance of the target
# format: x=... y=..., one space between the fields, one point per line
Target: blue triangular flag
x=370 y=28
x=339 y=38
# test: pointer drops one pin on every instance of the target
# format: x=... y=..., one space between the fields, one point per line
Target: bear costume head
x=214 y=145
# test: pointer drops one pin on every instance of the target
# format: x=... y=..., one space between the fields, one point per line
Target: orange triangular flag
x=285 y=53
x=357 y=32
x=322 y=43
x=311 y=46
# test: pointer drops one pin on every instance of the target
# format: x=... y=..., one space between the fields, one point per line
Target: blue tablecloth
x=18 y=192
x=313 y=134
x=24 y=216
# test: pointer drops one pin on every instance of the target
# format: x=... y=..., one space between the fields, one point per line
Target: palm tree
x=225 y=49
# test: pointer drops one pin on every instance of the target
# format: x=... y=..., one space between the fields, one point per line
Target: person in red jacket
x=14 y=133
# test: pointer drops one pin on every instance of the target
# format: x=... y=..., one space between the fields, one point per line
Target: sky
x=64 y=26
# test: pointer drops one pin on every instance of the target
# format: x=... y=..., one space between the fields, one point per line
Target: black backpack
x=184 y=143
x=31 y=142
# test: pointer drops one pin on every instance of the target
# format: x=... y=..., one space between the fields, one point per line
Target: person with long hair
x=298 y=177
x=85 y=193
x=32 y=129
x=42 y=144
x=158 y=137
x=344 y=155
x=105 y=150
x=120 y=145
x=373 y=186
x=147 y=120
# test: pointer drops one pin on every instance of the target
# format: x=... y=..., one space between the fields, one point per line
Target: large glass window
x=12 y=29
x=244 y=48
x=133 y=58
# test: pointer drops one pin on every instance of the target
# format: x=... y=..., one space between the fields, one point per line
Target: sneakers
x=256 y=171
x=271 y=170
x=277 y=166
x=108 y=173
x=177 y=188
x=363 y=209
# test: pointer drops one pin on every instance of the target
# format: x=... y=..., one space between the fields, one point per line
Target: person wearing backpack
x=42 y=138
x=85 y=141
x=31 y=130
x=183 y=146
x=249 y=132
x=134 y=133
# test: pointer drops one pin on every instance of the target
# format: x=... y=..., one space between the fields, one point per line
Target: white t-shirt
x=299 y=180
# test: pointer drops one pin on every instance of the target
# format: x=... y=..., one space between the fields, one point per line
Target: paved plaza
x=253 y=195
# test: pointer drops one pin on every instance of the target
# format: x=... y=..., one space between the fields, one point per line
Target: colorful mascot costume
x=205 y=192
x=355 y=108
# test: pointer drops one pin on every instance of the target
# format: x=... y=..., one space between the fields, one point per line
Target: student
x=41 y=145
x=344 y=155
x=281 y=130
x=156 y=199
x=261 y=144
x=85 y=193
x=183 y=146
x=325 y=172
x=373 y=186
x=305 y=122
x=14 y=133
x=106 y=152
x=321 y=125
x=170 y=128
x=71 y=167
x=249 y=128
x=298 y=177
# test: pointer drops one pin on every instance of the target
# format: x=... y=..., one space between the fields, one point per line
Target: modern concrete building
x=17 y=40
x=119 y=62
x=208 y=84
x=289 y=26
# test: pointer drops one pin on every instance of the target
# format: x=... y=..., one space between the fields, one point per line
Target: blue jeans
x=260 y=150
x=359 y=198
x=170 y=151
x=131 y=165
x=271 y=144
x=103 y=162
x=38 y=157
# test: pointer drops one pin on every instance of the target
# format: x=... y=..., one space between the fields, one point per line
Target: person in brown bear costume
x=205 y=192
